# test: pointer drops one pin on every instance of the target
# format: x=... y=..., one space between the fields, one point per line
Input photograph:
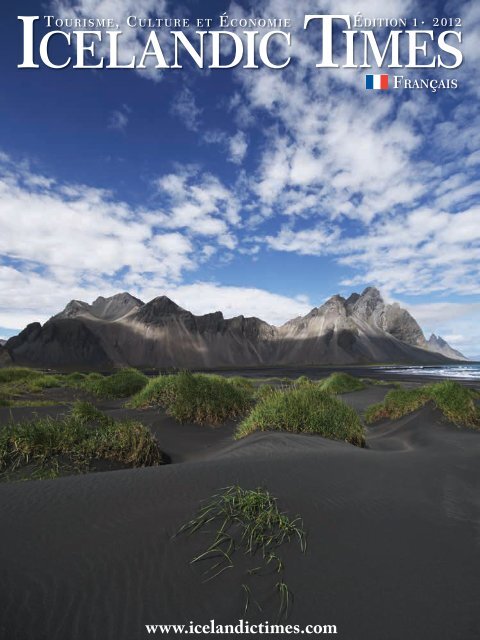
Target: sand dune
x=393 y=535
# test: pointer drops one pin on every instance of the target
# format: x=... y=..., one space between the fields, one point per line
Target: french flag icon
x=375 y=81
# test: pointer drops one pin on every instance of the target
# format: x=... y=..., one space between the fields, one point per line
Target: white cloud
x=233 y=301
x=199 y=298
x=456 y=322
x=86 y=235
x=355 y=165
x=119 y=118
x=308 y=242
x=363 y=164
x=184 y=106
x=339 y=171
x=331 y=143
x=238 y=146
x=423 y=251
x=214 y=136
x=84 y=241
x=200 y=203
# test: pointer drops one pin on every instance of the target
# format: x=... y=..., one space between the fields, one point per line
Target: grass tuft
x=264 y=391
x=248 y=520
x=93 y=376
x=455 y=401
x=199 y=398
x=302 y=380
x=304 y=409
x=75 y=378
x=74 y=442
x=397 y=403
x=13 y=374
x=341 y=383
x=122 y=384
x=87 y=413
x=239 y=381
x=395 y=384
x=46 y=381
x=129 y=442
x=15 y=381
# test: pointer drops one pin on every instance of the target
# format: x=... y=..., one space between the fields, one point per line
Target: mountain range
x=122 y=330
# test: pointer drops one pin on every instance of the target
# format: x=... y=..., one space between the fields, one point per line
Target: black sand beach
x=393 y=534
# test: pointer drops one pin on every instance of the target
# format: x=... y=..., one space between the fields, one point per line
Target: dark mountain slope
x=122 y=330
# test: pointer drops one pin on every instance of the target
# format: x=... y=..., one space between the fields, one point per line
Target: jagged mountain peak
x=115 y=307
x=111 y=308
x=368 y=302
x=362 y=328
x=73 y=309
x=158 y=310
x=123 y=298
x=333 y=304
x=439 y=345
x=370 y=291
x=352 y=299
x=164 y=304
x=365 y=302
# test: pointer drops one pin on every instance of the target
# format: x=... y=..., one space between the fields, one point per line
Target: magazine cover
x=239 y=319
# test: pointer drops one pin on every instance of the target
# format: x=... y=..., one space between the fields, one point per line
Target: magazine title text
x=341 y=41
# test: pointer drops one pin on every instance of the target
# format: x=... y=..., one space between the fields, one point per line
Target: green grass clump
x=455 y=401
x=248 y=520
x=122 y=384
x=130 y=443
x=75 y=378
x=74 y=442
x=341 y=383
x=44 y=382
x=20 y=380
x=239 y=381
x=304 y=409
x=91 y=377
x=87 y=414
x=397 y=403
x=195 y=397
x=264 y=391
x=302 y=380
x=13 y=374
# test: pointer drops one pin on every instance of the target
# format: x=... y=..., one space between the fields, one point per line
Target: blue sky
x=259 y=192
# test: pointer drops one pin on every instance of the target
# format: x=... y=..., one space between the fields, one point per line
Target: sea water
x=465 y=371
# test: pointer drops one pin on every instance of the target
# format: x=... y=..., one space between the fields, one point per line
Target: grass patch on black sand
x=15 y=374
x=47 y=447
x=18 y=381
x=199 y=398
x=121 y=384
x=455 y=401
x=340 y=382
x=247 y=520
x=15 y=381
x=304 y=409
